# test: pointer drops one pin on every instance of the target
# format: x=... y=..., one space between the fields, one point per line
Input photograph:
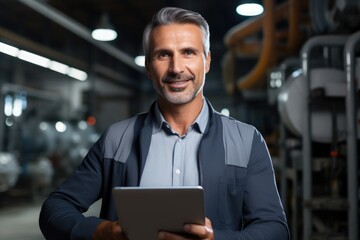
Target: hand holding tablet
x=143 y=212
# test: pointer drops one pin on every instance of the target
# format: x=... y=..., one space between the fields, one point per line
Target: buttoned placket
x=178 y=164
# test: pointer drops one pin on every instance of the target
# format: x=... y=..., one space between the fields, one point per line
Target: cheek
x=156 y=79
x=196 y=66
x=158 y=70
x=152 y=72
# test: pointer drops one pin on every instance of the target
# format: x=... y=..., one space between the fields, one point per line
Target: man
x=182 y=140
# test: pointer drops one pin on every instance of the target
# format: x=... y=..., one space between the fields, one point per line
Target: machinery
x=328 y=82
x=9 y=171
x=311 y=59
x=55 y=152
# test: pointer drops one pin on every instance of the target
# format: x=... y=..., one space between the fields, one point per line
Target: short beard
x=178 y=98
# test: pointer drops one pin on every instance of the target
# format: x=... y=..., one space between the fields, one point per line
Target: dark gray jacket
x=236 y=172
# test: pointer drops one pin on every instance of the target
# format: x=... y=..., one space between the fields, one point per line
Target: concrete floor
x=20 y=222
x=19 y=219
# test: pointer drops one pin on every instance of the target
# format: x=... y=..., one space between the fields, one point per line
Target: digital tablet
x=144 y=211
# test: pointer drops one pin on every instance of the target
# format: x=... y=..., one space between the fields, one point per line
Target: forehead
x=176 y=33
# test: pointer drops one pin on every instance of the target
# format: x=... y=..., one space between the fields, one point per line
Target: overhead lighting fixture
x=43 y=62
x=78 y=74
x=60 y=126
x=8 y=105
x=9 y=50
x=34 y=58
x=59 y=67
x=140 y=61
x=250 y=9
x=17 y=107
x=104 y=30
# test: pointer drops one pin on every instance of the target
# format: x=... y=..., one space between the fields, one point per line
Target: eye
x=163 y=55
x=189 y=52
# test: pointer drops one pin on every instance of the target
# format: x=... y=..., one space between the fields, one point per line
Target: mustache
x=178 y=77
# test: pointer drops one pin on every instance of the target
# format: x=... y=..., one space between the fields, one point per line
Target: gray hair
x=169 y=15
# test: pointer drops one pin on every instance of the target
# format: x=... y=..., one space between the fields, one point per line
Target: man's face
x=177 y=64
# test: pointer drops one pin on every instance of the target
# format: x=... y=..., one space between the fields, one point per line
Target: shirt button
x=177 y=171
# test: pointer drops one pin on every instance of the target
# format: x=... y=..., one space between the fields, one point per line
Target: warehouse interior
x=293 y=72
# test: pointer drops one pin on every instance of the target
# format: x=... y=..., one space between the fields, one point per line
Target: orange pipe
x=253 y=48
x=248 y=49
x=269 y=50
x=252 y=26
x=294 y=31
x=268 y=55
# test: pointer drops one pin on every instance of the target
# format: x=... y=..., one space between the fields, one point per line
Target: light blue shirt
x=172 y=159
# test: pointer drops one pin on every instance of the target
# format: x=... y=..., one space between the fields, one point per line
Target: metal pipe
x=284 y=156
x=284 y=152
x=351 y=115
x=2 y=121
x=79 y=30
x=306 y=140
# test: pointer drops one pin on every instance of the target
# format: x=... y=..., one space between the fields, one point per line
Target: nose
x=176 y=65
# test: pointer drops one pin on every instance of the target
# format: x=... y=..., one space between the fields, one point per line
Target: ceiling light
x=8 y=105
x=17 y=107
x=59 y=67
x=78 y=74
x=250 y=9
x=43 y=62
x=9 y=50
x=104 y=30
x=140 y=61
x=60 y=126
x=34 y=58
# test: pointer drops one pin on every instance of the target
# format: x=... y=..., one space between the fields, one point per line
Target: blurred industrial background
x=292 y=71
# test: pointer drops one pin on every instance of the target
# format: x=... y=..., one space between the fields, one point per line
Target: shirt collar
x=158 y=119
x=199 y=123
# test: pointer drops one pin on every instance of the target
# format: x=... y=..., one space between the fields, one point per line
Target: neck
x=181 y=116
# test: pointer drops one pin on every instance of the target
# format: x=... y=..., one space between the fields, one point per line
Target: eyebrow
x=196 y=50
x=192 y=49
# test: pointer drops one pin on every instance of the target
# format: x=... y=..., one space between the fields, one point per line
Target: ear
x=207 y=63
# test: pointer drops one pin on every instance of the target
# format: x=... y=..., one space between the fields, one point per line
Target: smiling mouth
x=177 y=82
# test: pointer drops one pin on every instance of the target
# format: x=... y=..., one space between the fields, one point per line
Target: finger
x=199 y=230
x=209 y=231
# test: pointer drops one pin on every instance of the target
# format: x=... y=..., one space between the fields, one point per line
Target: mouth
x=176 y=82
x=177 y=85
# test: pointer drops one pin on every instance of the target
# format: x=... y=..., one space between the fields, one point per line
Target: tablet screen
x=144 y=211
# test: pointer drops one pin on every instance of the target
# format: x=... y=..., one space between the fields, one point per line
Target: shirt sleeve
x=61 y=213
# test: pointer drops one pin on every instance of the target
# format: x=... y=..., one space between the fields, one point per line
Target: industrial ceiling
x=60 y=28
